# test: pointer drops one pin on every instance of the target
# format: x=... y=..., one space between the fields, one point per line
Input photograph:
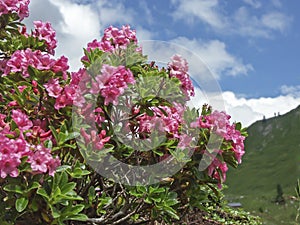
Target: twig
x=129 y=215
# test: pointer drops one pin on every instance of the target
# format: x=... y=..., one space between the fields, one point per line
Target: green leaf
x=21 y=204
x=171 y=212
x=42 y=192
x=91 y=194
x=13 y=188
x=54 y=132
x=73 y=210
x=67 y=188
x=55 y=212
x=62 y=168
x=34 y=185
x=78 y=217
x=238 y=126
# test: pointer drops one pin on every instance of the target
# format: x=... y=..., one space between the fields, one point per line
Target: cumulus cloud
x=275 y=21
x=246 y=110
x=75 y=25
x=242 y=21
x=255 y=4
x=290 y=90
x=276 y=3
x=205 y=10
x=215 y=55
x=113 y=12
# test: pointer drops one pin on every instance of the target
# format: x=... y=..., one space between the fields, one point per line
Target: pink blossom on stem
x=179 y=68
x=112 y=82
x=44 y=31
x=119 y=37
x=112 y=39
x=217 y=167
x=42 y=161
x=96 y=140
x=21 y=119
x=21 y=59
x=61 y=65
x=15 y=6
x=53 y=88
x=11 y=152
x=8 y=166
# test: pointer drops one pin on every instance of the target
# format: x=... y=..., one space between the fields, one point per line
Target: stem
x=129 y=215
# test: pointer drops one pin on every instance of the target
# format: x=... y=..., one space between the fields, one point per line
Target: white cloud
x=254 y=3
x=263 y=26
x=215 y=55
x=246 y=111
x=276 y=3
x=146 y=11
x=205 y=10
x=111 y=12
x=276 y=21
x=240 y=21
x=75 y=25
x=290 y=90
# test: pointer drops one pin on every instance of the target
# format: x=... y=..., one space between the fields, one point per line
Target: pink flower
x=11 y=152
x=119 y=38
x=2 y=122
x=67 y=97
x=218 y=122
x=215 y=167
x=96 y=140
x=21 y=59
x=112 y=82
x=21 y=119
x=17 y=62
x=61 y=65
x=44 y=31
x=42 y=161
x=15 y=6
x=99 y=115
x=53 y=87
x=8 y=166
x=61 y=102
x=112 y=39
x=179 y=68
x=76 y=77
x=178 y=64
x=23 y=10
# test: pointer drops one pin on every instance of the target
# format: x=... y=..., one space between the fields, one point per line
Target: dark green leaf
x=21 y=204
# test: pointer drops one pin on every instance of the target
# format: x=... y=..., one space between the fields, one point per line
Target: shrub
x=112 y=143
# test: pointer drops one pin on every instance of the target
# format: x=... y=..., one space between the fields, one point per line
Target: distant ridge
x=272 y=158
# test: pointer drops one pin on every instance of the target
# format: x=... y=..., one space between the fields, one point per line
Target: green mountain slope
x=272 y=159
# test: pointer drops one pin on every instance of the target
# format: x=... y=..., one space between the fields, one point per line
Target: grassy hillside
x=272 y=158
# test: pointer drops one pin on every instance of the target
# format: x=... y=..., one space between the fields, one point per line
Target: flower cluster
x=15 y=6
x=219 y=123
x=96 y=140
x=168 y=121
x=119 y=38
x=213 y=168
x=44 y=31
x=179 y=68
x=113 y=38
x=21 y=59
x=14 y=147
x=112 y=82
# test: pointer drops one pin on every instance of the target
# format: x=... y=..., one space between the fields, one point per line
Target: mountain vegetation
x=265 y=182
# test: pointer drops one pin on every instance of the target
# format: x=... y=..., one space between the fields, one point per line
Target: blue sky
x=252 y=47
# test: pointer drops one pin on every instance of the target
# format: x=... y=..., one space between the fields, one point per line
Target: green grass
x=272 y=157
